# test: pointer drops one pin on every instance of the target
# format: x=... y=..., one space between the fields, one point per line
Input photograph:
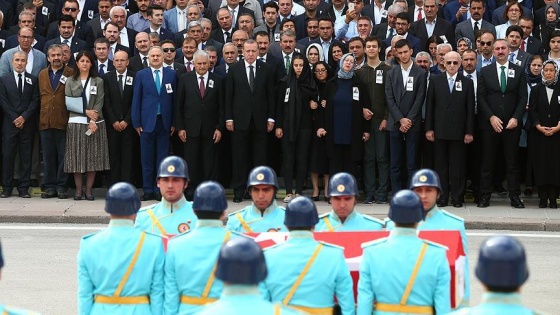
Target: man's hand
x=468 y=138
x=139 y=130
x=182 y=135
x=324 y=103
x=367 y=113
x=313 y=104
x=321 y=132
x=117 y=126
x=124 y=124
x=279 y=133
x=172 y=131
x=383 y=125
x=462 y=10
x=365 y=136
x=512 y=123
x=269 y=126
x=430 y=135
x=19 y=122
x=229 y=125
x=496 y=124
x=217 y=136
x=350 y=15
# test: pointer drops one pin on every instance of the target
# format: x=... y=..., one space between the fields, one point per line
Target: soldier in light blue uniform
x=174 y=214
x=343 y=193
x=8 y=310
x=403 y=273
x=426 y=184
x=241 y=267
x=120 y=269
x=263 y=215
x=189 y=278
x=502 y=269
x=306 y=274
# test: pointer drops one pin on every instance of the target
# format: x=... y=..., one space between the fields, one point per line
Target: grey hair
x=425 y=54
x=444 y=45
x=394 y=9
x=193 y=24
x=200 y=53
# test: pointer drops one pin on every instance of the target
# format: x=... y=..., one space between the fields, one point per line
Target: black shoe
x=457 y=204
x=382 y=200
x=484 y=202
x=158 y=196
x=442 y=204
x=500 y=190
x=62 y=195
x=33 y=183
x=148 y=196
x=24 y=194
x=369 y=200
x=90 y=198
x=315 y=198
x=77 y=197
x=543 y=203
x=516 y=202
x=49 y=193
x=528 y=191
x=553 y=204
x=6 y=194
x=327 y=199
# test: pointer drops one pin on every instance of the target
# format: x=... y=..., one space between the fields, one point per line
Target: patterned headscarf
x=550 y=83
x=343 y=74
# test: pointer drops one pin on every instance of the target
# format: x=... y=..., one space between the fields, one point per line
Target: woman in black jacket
x=294 y=122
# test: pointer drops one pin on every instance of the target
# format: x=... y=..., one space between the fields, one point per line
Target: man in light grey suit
x=469 y=27
x=25 y=39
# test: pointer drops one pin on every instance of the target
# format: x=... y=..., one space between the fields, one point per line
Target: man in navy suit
x=152 y=116
x=101 y=51
x=66 y=30
x=457 y=11
x=19 y=96
x=401 y=26
x=155 y=15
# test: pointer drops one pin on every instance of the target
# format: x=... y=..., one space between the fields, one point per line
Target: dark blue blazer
x=413 y=41
x=146 y=99
x=163 y=34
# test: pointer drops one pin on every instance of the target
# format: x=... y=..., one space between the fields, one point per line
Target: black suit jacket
x=442 y=28
x=163 y=35
x=199 y=115
x=15 y=103
x=95 y=25
x=450 y=114
x=534 y=46
x=117 y=107
x=45 y=14
x=492 y=102
x=241 y=104
x=369 y=11
x=221 y=71
x=218 y=35
x=89 y=10
x=241 y=10
x=275 y=66
x=380 y=31
x=299 y=21
x=135 y=63
x=76 y=45
x=82 y=31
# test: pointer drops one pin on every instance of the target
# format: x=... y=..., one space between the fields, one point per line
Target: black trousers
x=341 y=160
x=295 y=157
x=12 y=138
x=492 y=142
x=201 y=156
x=244 y=145
x=120 y=153
x=451 y=164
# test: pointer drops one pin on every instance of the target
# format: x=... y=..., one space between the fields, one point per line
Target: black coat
x=115 y=106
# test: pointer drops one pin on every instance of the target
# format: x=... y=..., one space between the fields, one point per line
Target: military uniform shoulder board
x=451 y=215
x=324 y=215
x=331 y=245
x=238 y=211
x=373 y=219
x=89 y=235
x=436 y=244
x=374 y=242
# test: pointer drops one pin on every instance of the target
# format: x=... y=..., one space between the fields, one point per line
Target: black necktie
x=251 y=79
x=145 y=62
x=101 y=71
x=121 y=87
x=20 y=84
x=228 y=37
x=476 y=28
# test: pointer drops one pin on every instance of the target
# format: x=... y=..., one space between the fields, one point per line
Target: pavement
x=499 y=216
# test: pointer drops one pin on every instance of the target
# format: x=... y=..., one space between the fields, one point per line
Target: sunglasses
x=71 y=9
x=455 y=63
x=168 y=50
x=489 y=43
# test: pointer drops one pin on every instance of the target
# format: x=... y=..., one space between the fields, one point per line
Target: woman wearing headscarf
x=314 y=54
x=336 y=50
x=343 y=123
x=294 y=122
x=463 y=44
x=544 y=141
x=551 y=14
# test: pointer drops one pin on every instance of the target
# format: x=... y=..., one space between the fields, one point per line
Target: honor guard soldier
x=426 y=184
x=241 y=267
x=502 y=269
x=314 y=273
x=120 y=269
x=263 y=215
x=189 y=279
x=343 y=193
x=6 y=310
x=403 y=273
x=174 y=214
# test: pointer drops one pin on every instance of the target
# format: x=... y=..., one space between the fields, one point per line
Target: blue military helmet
x=173 y=166
x=122 y=199
x=406 y=207
x=301 y=212
x=262 y=175
x=241 y=261
x=502 y=262
x=343 y=184
x=425 y=177
x=210 y=196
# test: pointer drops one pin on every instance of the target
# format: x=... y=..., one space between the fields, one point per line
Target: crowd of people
x=374 y=88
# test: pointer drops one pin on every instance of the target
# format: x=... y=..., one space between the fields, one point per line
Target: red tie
x=523 y=45
x=189 y=66
x=202 y=89
x=419 y=17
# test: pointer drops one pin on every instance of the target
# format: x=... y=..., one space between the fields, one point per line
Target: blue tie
x=158 y=88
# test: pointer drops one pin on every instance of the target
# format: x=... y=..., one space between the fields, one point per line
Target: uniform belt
x=104 y=299
x=195 y=300
x=314 y=310
x=409 y=309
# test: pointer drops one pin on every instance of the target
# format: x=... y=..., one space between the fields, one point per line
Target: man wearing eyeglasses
x=26 y=19
x=484 y=46
x=36 y=60
x=81 y=30
x=169 y=54
x=450 y=125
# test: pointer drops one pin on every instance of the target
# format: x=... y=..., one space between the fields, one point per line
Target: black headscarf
x=299 y=87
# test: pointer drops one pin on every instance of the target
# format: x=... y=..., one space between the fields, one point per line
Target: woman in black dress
x=544 y=141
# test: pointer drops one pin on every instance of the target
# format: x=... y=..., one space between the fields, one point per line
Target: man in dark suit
x=234 y=5
x=450 y=125
x=470 y=27
x=249 y=113
x=229 y=54
x=111 y=33
x=66 y=31
x=126 y=34
x=502 y=97
x=155 y=16
x=404 y=101
x=169 y=53
x=312 y=11
x=199 y=117
x=402 y=25
x=388 y=29
x=19 y=96
x=41 y=13
x=101 y=51
x=140 y=60
x=514 y=37
x=205 y=40
x=152 y=116
x=81 y=29
x=377 y=11
x=438 y=27
x=225 y=30
x=116 y=109
x=530 y=44
x=98 y=22
x=87 y=12
x=263 y=42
